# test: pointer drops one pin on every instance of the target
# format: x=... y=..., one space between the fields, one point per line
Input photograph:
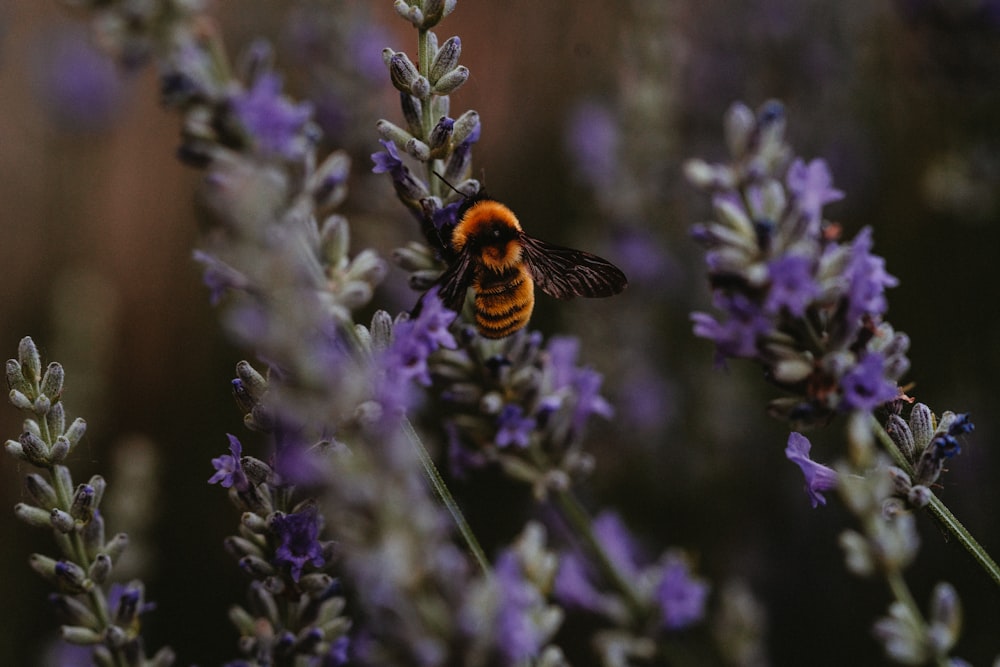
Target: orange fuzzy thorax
x=479 y=223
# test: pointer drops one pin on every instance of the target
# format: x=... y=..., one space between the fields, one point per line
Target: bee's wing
x=455 y=281
x=565 y=273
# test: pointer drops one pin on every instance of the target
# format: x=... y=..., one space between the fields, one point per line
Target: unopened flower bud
x=452 y=81
x=446 y=59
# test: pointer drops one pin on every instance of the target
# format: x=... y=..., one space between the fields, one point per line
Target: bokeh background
x=589 y=109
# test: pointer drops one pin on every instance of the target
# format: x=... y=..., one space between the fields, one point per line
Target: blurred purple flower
x=228 y=470
x=819 y=477
x=219 y=277
x=793 y=286
x=812 y=187
x=80 y=87
x=737 y=336
x=583 y=384
x=680 y=596
x=573 y=586
x=518 y=637
x=387 y=160
x=275 y=125
x=865 y=386
x=592 y=139
x=298 y=545
x=513 y=428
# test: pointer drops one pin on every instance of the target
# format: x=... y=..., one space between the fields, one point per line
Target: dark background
x=901 y=98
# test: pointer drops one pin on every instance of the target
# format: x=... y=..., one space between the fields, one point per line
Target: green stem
x=940 y=511
x=446 y=498
x=577 y=516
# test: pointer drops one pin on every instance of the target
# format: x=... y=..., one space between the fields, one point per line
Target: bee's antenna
x=445 y=181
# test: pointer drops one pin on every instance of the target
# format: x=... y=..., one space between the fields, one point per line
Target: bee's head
x=492 y=232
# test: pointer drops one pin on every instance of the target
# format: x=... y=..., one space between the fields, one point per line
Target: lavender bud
x=413 y=113
x=254 y=523
x=79 y=635
x=82 y=506
x=75 y=432
x=919 y=496
x=165 y=657
x=902 y=635
x=74 y=611
x=254 y=383
x=35 y=450
x=102 y=657
x=434 y=11
x=423 y=280
x=446 y=59
x=901 y=434
x=263 y=602
x=275 y=585
x=256 y=567
x=15 y=379
x=20 y=400
x=242 y=619
x=42 y=405
x=922 y=426
x=403 y=73
x=900 y=481
x=328 y=185
x=41 y=491
x=116 y=546
x=97 y=483
x=30 y=360
x=60 y=450
x=70 y=577
x=52 y=381
x=315 y=583
x=412 y=14
x=335 y=240
x=739 y=126
x=440 y=137
x=392 y=132
x=466 y=126
x=93 y=534
x=62 y=521
x=945 y=618
x=55 y=418
x=417 y=149
x=240 y=547
x=452 y=81
x=857 y=553
x=256 y=470
x=33 y=516
x=381 y=330
x=115 y=637
x=16 y=450
x=100 y=569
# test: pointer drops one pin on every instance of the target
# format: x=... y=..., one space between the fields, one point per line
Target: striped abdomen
x=504 y=301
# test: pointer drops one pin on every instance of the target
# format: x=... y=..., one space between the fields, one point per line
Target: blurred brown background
x=901 y=98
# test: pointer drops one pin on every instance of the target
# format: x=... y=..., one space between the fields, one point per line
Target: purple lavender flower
x=818 y=476
x=219 y=277
x=617 y=543
x=584 y=383
x=681 y=597
x=737 y=336
x=867 y=279
x=275 y=125
x=81 y=88
x=812 y=187
x=413 y=342
x=387 y=161
x=573 y=586
x=518 y=638
x=793 y=285
x=298 y=545
x=593 y=140
x=513 y=428
x=865 y=386
x=228 y=470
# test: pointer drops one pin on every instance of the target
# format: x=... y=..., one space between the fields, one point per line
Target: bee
x=490 y=252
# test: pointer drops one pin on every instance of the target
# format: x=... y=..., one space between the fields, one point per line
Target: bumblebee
x=489 y=252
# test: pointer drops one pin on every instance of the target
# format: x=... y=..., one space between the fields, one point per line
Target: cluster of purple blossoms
x=666 y=586
x=801 y=303
x=506 y=402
